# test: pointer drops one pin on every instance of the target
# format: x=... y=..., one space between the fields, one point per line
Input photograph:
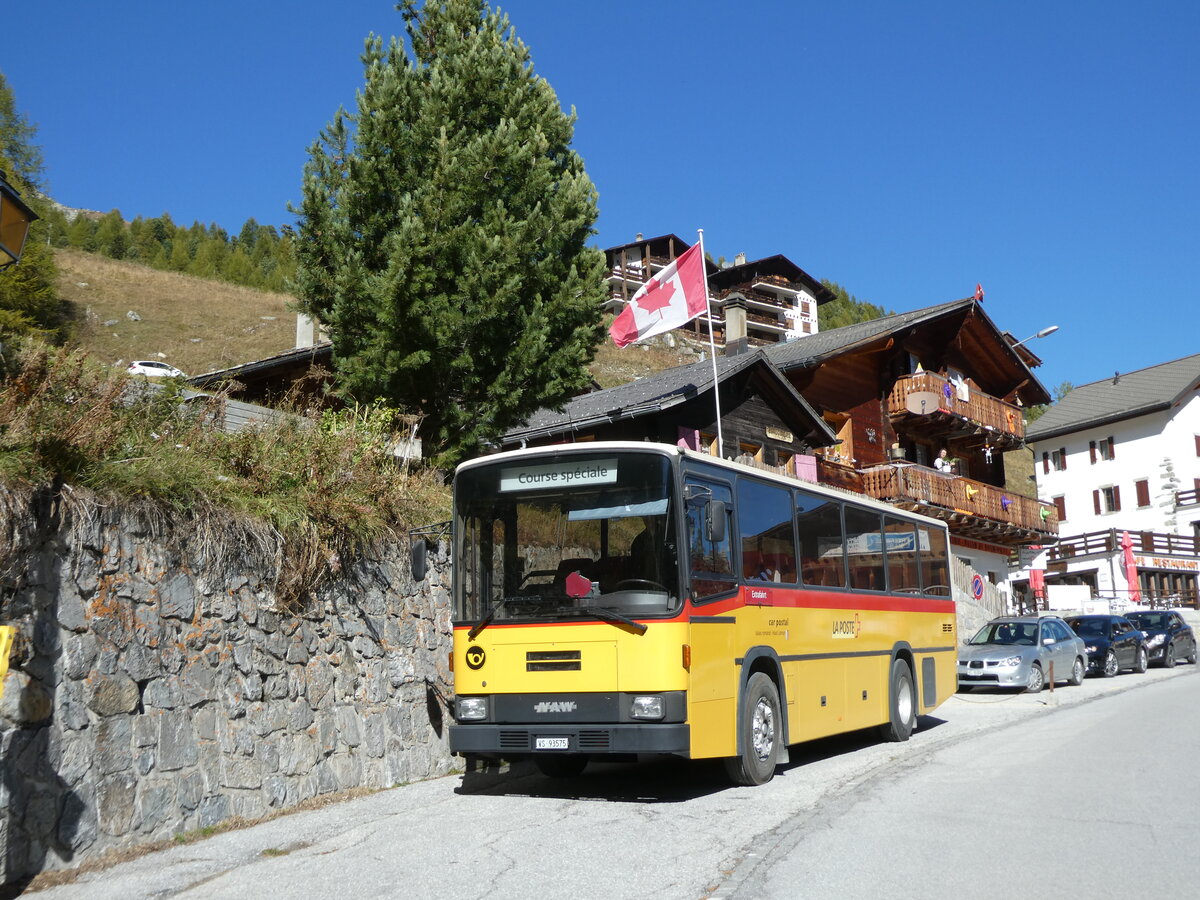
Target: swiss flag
x=978 y=291
x=673 y=297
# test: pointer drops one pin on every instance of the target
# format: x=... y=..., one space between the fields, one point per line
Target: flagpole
x=712 y=344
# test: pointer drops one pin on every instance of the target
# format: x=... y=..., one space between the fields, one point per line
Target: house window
x=1060 y=504
x=1058 y=459
x=754 y=451
x=1101 y=450
x=1107 y=500
x=1143 y=493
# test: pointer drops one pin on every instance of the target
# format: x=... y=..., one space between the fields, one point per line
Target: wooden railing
x=898 y=482
x=1104 y=542
x=1187 y=498
x=978 y=407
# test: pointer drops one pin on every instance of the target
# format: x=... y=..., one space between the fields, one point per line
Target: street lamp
x=1050 y=329
x=15 y=219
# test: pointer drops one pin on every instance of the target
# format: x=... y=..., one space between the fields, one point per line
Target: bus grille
x=595 y=740
x=520 y=740
x=514 y=740
x=553 y=661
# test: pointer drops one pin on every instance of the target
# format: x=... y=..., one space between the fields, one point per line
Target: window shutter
x=1198 y=445
x=1063 y=453
x=1092 y=451
x=1143 y=492
x=1096 y=501
x=1112 y=447
x=1116 y=498
x=1046 y=459
x=1060 y=503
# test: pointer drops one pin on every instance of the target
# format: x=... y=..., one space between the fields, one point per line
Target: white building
x=1115 y=456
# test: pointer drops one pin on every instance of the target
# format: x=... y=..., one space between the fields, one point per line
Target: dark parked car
x=1113 y=643
x=1168 y=637
x=1021 y=651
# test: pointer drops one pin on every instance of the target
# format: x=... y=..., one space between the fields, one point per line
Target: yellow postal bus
x=614 y=599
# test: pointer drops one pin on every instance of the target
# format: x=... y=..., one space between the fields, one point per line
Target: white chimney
x=306 y=331
x=740 y=259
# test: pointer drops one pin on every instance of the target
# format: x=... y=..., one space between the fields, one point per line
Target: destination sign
x=558 y=475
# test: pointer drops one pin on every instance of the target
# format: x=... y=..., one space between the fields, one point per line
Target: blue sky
x=905 y=150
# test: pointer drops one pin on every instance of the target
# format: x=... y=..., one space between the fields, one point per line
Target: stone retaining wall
x=153 y=693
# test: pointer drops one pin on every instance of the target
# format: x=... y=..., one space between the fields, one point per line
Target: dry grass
x=309 y=494
x=612 y=367
x=196 y=324
x=200 y=325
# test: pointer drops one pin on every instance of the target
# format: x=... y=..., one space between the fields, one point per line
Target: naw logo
x=847 y=628
x=555 y=706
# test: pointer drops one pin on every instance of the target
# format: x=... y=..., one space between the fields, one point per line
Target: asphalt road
x=996 y=793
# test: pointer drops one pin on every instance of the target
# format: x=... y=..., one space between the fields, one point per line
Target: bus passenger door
x=712 y=587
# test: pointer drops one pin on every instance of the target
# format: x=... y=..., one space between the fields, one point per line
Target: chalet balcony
x=1187 y=498
x=971 y=508
x=980 y=415
x=1105 y=543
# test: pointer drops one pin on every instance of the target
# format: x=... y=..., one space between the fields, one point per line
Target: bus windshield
x=566 y=535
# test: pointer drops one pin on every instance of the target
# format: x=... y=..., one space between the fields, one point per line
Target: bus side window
x=767 y=532
x=864 y=541
x=900 y=545
x=709 y=562
x=822 y=544
x=935 y=566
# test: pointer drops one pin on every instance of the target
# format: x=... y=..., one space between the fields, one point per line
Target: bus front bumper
x=600 y=739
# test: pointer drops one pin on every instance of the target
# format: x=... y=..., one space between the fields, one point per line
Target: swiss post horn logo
x=475 y=657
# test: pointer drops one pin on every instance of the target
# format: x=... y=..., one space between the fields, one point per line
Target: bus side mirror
x=714 y=521
x=417 y=557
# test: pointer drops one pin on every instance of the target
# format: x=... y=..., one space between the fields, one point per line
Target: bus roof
x=681 y=452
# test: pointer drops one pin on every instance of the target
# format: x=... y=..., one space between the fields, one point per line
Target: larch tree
x=443 y=232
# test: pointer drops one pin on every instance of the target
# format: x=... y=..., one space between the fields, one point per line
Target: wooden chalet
x=763 y=419
x=899 y=389
x=752 y=304
x=303 y=372
x=763 y=302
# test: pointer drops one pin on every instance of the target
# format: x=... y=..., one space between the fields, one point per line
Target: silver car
x=1022 y=652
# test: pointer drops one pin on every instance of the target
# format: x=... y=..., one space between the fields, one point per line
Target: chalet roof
x=1123 y=397
x=999 y=367
x=780 y=265
x=321 y=353
x=663 y=241
x=662 y=391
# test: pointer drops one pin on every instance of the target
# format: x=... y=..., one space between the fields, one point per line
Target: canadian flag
x=673 y=297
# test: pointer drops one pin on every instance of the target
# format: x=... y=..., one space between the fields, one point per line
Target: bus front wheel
x=759 y=731
x=902 y=704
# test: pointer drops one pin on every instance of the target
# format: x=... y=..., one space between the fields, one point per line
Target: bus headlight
x=650 y=707
x=471 y=708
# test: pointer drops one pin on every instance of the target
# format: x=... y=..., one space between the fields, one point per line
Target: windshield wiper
x=608 y=615
x=487 y=620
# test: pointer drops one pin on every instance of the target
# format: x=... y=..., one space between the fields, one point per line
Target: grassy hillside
x=200 y=325
x=192 y=323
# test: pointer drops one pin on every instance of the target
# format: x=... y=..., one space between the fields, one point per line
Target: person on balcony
x=942 y=463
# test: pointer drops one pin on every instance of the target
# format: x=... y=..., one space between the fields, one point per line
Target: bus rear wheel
x=902 y=705
x=569 y=765
x=759 y=733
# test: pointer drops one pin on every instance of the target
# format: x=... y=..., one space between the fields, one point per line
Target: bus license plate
x=551 y=743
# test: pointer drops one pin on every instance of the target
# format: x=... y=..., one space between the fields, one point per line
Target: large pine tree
x=28 y=296
x=443 y=229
